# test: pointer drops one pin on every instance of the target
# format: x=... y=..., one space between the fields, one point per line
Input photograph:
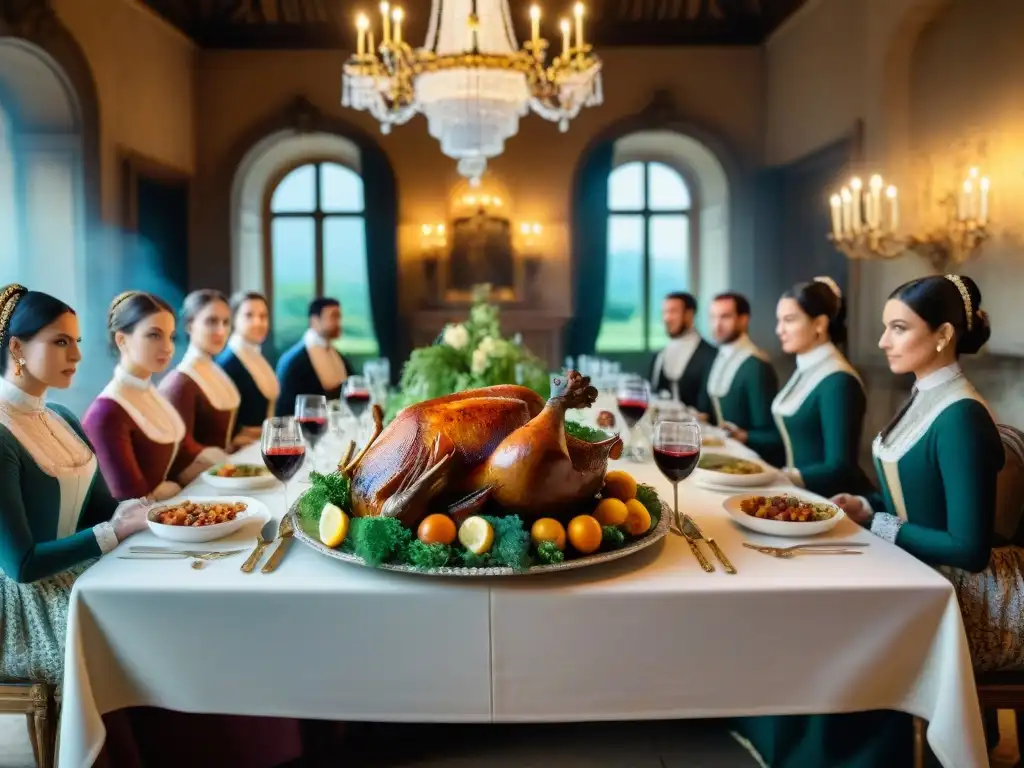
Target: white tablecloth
x=651 y=636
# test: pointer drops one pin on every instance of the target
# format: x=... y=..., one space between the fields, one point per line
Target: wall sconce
x=433 y=237
x=529 y=236
x=482 y=201
x=865 y=227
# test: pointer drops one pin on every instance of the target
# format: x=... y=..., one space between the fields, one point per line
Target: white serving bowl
x=255 y=510
x=778 y=527
x=238 y=484
x=709 y=477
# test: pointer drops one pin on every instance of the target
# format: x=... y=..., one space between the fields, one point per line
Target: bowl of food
x=721 y=469
x=784 y=514
x=239 y=477
x=201 y=519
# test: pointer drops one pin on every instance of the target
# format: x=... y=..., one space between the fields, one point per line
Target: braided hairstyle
x=129 y=309
x=23 y=314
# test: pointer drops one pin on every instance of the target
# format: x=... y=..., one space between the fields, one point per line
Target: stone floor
x=603 y=745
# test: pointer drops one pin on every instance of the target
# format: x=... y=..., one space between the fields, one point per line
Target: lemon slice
x=333 y=526
x=476 y=535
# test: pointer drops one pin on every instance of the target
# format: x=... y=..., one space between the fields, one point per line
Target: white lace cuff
x=886 y=526
x=867 y=506
x=105 y=537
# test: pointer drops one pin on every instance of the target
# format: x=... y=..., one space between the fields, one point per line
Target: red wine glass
x=283 y=449
x=357 y=395
x=311 y=415
x=676 y=453
x=632 y=396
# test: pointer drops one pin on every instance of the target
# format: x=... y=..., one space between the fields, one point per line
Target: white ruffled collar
x=121 y=376
x=817 y=355
x=938 y=378
x=20 y=399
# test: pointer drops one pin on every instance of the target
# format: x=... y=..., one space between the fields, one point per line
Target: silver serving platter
x=633 y=547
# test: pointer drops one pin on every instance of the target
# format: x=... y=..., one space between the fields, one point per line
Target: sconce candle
x=385 y=11
x=535 y=29
x=396 y=16
x=894 y=208
x=362 y=24
x=578 y=12
x=856 y=195
x=875 y=202
x=565 y=38
x=983 y=210
x=837 y=216
x=847 y=209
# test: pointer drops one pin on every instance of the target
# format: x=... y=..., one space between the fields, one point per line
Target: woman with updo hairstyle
x=206 y=397
x=141 y=441
x=819 y=413
x=56 y=513
x=938 y=463
x=244 y=362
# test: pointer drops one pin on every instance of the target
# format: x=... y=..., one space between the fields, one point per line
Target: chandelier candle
x=385 y=10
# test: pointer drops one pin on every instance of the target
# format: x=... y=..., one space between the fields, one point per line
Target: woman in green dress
x=938 y=463
x=56 y=514
x=819 y=414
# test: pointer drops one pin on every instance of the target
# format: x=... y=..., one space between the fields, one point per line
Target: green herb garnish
x=325 y=489
x=584 y=433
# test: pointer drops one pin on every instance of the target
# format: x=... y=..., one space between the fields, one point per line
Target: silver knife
x=183 y=552
x=697 y=533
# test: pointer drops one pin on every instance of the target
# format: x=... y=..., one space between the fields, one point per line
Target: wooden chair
x=1005 y=690
x=996 y=690
x=38 y=703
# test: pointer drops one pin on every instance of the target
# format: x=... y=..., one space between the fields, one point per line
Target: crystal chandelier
x=864 y=226
x=470 y=80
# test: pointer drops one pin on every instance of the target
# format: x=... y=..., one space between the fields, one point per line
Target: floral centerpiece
x=468 y=355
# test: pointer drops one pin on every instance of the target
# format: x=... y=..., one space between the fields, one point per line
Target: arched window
x=649 y=244
x=9 y=219
x=318 y=248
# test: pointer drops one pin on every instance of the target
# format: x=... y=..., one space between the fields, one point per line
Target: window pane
x=341 y=189
x=622 y=323
x=346 y=280
x=293 y=272
x=626 y=188
x=666 y=189
x=296 y=193
x=670 y=267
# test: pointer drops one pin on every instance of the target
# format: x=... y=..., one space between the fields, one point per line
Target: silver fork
x=786 y=553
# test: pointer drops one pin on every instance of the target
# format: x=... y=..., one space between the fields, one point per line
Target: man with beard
x=742 y=382
x=313 y=366
x=682 y=368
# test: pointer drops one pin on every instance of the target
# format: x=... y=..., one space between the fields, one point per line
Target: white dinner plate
x=709 y=477
x=778 y=527
x=238 y=484
x=254 y=510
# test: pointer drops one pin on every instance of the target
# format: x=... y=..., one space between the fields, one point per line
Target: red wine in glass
x=676 y=461
x=313 y=428
x=632 y=410
x=357 y=400
x=284 y=461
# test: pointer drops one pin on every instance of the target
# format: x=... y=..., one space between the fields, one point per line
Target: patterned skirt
x=34 y=625
x=992 y=604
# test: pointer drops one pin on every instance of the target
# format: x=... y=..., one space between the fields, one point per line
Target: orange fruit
x=585 y=533
x=611 y=512
x=436 y=529
x=619 y=485
x=638 y=519
x=548 y=529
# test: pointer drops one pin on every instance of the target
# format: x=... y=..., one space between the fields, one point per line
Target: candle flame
x=890 y=192
x=362 y=23
x=564 y=25
x=397 y=15
x=385 y=7
x=845 y=192
x=578 y=10
x=535 y=12
x=984 y=182
x=876 y=182
x=835 y=200
x=974 y=173
x=855 y=183
x=968 y=186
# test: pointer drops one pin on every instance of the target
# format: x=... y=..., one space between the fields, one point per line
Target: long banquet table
x=648 y=637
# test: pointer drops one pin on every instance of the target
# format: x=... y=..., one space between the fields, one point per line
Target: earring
x=940 y=346
x=19 y=365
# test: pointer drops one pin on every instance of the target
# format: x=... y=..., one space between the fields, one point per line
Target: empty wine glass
x=632 y=397
x=283 y=449
x=676 y=453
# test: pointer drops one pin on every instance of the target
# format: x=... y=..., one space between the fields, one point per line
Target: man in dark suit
x=313 y=366
x=682 y=368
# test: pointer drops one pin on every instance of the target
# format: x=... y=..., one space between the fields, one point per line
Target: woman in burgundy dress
x=203 y=394
x=140 y=441
x=142 y=444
